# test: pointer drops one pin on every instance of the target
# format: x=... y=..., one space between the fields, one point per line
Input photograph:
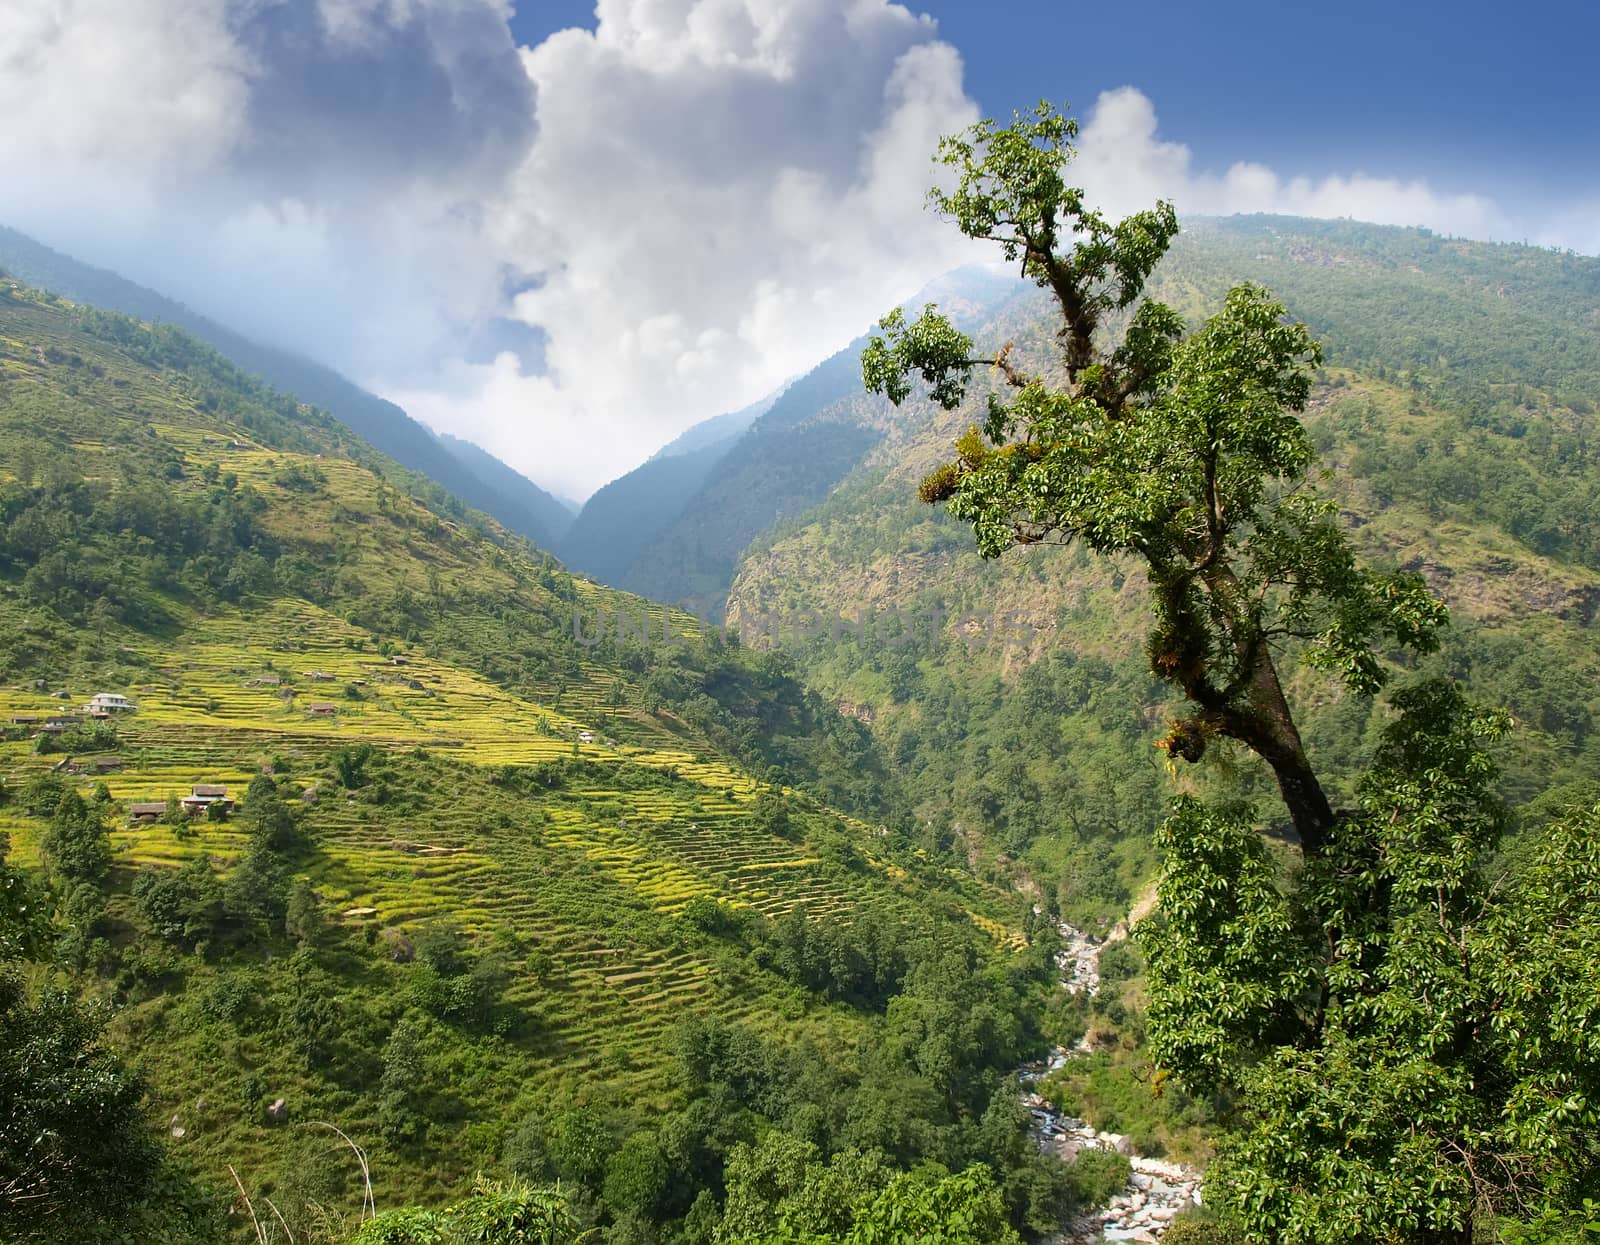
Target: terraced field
x=277 y=598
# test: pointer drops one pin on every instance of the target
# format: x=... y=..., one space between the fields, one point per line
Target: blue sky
x=569 y=239
x=1467 y=93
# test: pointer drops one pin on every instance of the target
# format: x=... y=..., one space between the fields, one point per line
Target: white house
x=109 y=702
x=586 y=737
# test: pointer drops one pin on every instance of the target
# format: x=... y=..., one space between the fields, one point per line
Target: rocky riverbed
x=1157 y=1190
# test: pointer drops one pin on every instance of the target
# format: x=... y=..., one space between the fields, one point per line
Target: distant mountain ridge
x=718 y=430
x=520 y=503
x=472 y=474
x=675 y=528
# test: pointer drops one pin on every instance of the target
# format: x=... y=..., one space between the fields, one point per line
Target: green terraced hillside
x=429 y=744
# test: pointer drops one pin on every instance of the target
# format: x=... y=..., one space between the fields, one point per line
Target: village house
x=106 y=765
x=146 y=810
x=202 y=796
x=25 y=719
x=109 y=702
x=586 y=737
x=322 y=709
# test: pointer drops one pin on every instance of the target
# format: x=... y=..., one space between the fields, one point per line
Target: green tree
x=1182 y=451
x=1398 y=1063
x=75 y=1154
x=24 y=911
x=580 y=1146
x=401 y=1084
x=312 y=1019
x=303 y=918
x=526 y=1152
x=637 y=1177
x=184 y=907
x=77 y=846
x=512 y=1213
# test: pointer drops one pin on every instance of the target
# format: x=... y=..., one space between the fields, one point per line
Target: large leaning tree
x=1373 y=1014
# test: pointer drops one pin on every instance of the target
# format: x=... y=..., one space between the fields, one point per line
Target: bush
x=1096 y=1176
x=1198 y=1228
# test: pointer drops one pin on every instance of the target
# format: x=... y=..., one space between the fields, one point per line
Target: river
x=1157 y=1190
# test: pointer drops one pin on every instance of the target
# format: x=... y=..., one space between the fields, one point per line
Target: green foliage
x=24 y=911
x=350 y=764
x=526 y=1152
x=1373 y=1016
x=77 y=847
x=1193 y=1228
x=303 y=918
x=75 y=1153
x=579 y=1146
x=184 y=907
x=512 y=1213
x=42 y=793
x=1095 y=1176
x=411 y=1226
x=85 y=737
x=400 y=1089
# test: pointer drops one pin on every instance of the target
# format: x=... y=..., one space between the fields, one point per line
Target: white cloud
x=315 y=172
x=693 y=202
x=721 y=192
x=1126 y=166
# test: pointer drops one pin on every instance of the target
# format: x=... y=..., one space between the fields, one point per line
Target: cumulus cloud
x=651 y=222
x=721 y=192
x=316 y=172
x=1126 y=166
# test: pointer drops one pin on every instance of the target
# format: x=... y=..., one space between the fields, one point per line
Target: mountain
x=513 y=860
x=719 y=430
x=621 y=518
x=1456 y=418
x=510 y=496
x=474 y=476
x=675 y=532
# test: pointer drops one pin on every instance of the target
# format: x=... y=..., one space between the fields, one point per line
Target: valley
x=530 y=875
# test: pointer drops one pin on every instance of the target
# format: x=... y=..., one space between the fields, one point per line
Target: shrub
x=404 y=1227
x=1096 y=1176
x=1198 y=1228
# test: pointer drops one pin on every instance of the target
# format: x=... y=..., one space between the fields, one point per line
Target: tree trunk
x=1272 y=735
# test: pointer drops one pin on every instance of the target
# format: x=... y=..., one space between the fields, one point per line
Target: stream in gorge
x=1157 y=1190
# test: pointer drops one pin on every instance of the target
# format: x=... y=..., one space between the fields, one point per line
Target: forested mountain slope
x=685 y=547
x=1456 y=418
x=507 y=885
x=624 y=517
x=509 y=496
x=474 y=476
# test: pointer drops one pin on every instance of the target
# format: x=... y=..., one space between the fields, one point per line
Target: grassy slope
x=580 y=883
x=472 y=474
